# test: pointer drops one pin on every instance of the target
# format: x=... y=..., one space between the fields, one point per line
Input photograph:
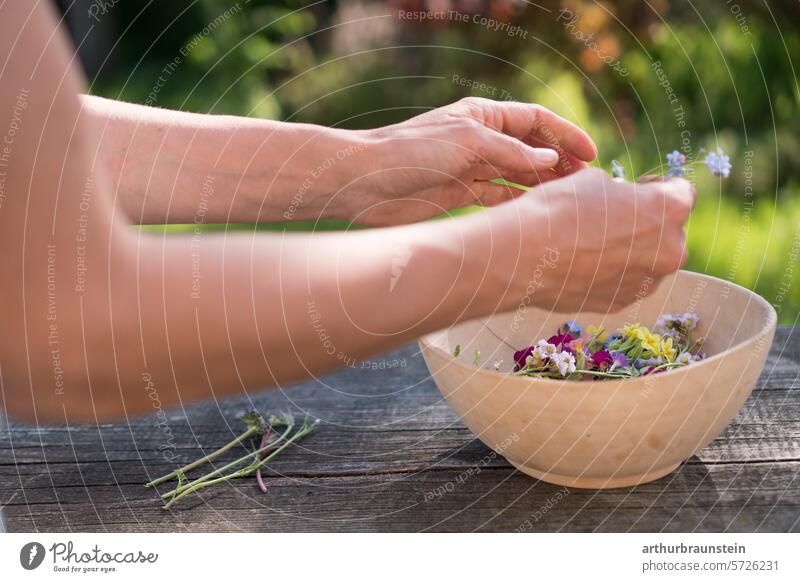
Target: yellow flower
x=650 y=341
x=666 y=349
x=601 y=335
x=633 y=331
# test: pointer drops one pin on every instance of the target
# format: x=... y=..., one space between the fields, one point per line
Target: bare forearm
x=309 y=304
x=175 y=167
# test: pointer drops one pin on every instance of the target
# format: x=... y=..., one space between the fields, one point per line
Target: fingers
x=508 y=153
x=624 y=234
x=524 y=120
x=528 y=179
x=567 y=162
x=678 y=196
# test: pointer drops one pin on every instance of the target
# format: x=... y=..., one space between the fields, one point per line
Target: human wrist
x=345 y=169
x=508 y=254
x=468 y=255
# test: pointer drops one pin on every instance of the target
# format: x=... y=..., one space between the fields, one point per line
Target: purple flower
x=560 y=339
x=676 y=326
x=573 y=328
x=602 y=359
x=521 y=356
x=620 y=359
x=718 y=163
x=675 y=161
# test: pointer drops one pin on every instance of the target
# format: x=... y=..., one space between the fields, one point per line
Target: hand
x=446 y=158
x=607 y=242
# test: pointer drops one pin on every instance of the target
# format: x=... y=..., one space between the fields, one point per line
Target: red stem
x=259 y=479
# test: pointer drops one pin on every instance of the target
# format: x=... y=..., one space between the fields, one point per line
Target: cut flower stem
x=207 y=481
x=272 y=443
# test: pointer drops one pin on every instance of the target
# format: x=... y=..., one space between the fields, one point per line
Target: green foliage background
x=356 y=64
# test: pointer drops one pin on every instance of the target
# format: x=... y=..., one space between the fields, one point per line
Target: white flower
x=690 y=320
x=687 y=358
x=543 y=350
x=565 y=362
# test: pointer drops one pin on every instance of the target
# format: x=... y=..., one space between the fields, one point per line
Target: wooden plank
x=386 y=426
x=731 y=497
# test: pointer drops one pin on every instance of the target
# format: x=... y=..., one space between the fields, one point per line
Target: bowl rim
x=772 y=317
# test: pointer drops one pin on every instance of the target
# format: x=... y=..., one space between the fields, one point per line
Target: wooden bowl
x=612 y=433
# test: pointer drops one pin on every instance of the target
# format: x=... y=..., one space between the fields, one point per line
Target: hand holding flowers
x=604 y=242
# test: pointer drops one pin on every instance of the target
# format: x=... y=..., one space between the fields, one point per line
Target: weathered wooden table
x=389 y=455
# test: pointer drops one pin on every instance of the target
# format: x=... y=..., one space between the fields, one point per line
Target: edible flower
x=602 y=359
x=718 y=163
x=565 y=363
x=630 y=352
x=560 y=339
x=597 y=332
x=675 y=162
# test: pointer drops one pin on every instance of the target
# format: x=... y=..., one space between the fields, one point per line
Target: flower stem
x=206 y=481
x=259 y=479
x=230 y=465
x=211 y=456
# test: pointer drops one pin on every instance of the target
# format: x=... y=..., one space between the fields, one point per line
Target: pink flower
x=521 y=356
x=602 y=359
x=560 y=339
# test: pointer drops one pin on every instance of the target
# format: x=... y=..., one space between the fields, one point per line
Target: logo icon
x=31 y=555
x=401 y=255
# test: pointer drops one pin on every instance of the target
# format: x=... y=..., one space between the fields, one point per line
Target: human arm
x=91 y=307
x=176 y=167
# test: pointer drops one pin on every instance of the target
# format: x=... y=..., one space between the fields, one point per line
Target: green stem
x=602 y=374
x=206 y=482
x=230 y=465
x=666 y=366
x=210 y=457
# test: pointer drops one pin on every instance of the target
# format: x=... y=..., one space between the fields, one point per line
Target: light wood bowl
x=612 y=433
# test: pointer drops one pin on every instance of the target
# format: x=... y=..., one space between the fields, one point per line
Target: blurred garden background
x=642 y=77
